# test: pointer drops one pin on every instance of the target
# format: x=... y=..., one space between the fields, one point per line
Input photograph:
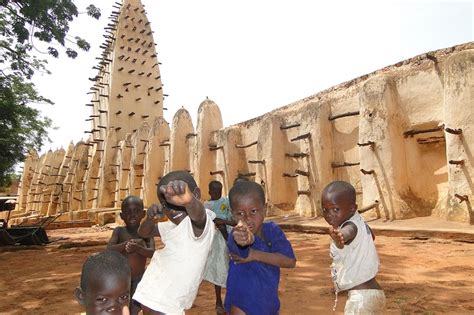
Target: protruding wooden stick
x=215 y=148
x=290 y=126
x=369 y=172
x=240 y=146
x=256 y=161
x=412 y=132
x=343 y=115
x=456 y=162
x=216 y=172
x=345 y=164
x=297 y=155
x=453 y=131
x=289 y=175
x=462 y=198
x=305 y=136
x=368 y=143
x=301 y=172
x=303 y=192
x=190 y=135
x=367 y=208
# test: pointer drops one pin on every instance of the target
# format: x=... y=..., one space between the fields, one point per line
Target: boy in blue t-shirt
x=258 y=250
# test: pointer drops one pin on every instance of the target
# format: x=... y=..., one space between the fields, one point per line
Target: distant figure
x=105 y=284
x=217 y=265
x=355 y=260
x=126 y=241
x=258 y=250
x=172 y=279
x=220 y=206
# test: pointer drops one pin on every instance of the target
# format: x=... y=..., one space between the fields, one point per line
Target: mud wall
x=402 y=136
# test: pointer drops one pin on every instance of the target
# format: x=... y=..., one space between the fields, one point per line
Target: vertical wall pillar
x=459 y=114
x=383 y=168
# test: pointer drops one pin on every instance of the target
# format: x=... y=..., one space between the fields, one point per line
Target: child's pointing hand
x=242 y=234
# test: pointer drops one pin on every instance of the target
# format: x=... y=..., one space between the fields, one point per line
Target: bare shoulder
x=349 y=230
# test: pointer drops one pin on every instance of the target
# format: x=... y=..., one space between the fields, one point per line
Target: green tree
x=22 y=24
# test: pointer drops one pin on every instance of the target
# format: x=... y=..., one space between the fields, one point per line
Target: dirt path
x=419 y=276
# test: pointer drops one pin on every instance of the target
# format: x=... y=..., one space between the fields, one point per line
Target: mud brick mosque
x=402 y=135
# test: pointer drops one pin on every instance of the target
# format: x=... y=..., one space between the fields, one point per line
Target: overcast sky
x=251 y=57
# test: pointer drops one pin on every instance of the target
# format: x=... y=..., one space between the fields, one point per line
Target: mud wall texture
x=403 y=136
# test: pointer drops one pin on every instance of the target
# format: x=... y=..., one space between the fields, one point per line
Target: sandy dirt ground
x=419 y=276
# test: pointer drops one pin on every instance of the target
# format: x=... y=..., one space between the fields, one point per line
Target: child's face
x=250 y=209
x=337 y=208
x=106 y=295
x=132 y=214
x=215 y=193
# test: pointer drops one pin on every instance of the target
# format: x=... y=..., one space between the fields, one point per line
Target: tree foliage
x=24 y=23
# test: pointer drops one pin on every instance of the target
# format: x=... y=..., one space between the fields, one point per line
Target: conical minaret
x=128 y=88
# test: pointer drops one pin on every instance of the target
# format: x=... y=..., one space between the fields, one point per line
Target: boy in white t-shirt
x=171 y=280
x=355 y=260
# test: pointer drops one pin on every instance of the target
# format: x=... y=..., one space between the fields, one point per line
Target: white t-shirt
x=358 y=261
x=171 y=280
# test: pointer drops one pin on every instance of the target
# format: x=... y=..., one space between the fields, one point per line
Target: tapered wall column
x=459 y=118
x=383 y=167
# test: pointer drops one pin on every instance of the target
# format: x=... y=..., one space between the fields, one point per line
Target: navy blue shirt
x=253 y=286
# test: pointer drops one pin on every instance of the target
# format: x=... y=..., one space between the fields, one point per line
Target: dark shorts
x=135 y=307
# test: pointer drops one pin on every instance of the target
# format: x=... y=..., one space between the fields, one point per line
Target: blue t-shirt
x=253 y=286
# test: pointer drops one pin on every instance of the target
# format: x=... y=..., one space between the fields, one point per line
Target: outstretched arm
x=148 y=227
x=343 y=235
x=242 y=236
x=275 y=259
x=178 y=193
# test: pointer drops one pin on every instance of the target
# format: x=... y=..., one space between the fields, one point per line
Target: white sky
x=251 y=57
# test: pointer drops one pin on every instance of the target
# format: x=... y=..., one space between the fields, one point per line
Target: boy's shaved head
x=338 y=189
x=214 y=184
x=131 y=199
x=246 y=188
x=100 y=265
